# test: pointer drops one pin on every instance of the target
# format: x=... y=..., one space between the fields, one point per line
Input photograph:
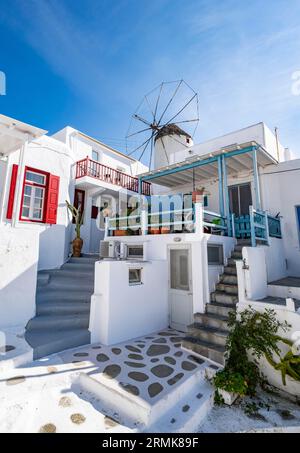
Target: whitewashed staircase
x=62 y=307
x=208 y=334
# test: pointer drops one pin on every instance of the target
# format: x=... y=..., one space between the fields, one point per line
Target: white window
x=215 y=254
x=121 y=169
x=95 y=155
x=135 y=276
x=33 y=196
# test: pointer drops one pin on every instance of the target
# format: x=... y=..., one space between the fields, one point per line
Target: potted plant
x=197 y=194
x=78 y=217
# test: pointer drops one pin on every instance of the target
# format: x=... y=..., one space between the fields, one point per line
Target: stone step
x=49 y=342
x=228 y=279
x=244 y=242
x=229 y=289
x=209 y=334
x=231 y=262
x=212 y=352
x=199 y=403
x=68 y=274
x=141 y=411
x=229 y=299
x=238 y=247
x=237 y=255
x=219 y=309
x=62 y=295
x=78 y=266
x=69 y=284
x=211 y=320
x=58 y=323
x=86 y=259
x=62 y=308
x=230 y=270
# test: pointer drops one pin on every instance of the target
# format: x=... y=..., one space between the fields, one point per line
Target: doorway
x=240 y=198
x=180 y=287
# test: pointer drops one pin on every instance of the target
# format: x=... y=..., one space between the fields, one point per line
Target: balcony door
x=240 y=198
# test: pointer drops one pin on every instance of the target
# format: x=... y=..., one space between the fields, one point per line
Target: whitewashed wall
x=281 y=194
x=19 y=251
x=257 y=132
x=121 y=312
x=203 y=279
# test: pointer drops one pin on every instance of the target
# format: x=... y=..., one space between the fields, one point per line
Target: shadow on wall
x=54 y=247
x=17 y=298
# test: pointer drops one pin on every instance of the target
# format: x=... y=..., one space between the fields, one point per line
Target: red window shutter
x=52 y=199
x=13 y=182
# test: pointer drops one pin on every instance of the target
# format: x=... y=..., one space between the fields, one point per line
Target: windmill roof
x=171 y=129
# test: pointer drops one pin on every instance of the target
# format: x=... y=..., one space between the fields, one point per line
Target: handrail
x=94 y=169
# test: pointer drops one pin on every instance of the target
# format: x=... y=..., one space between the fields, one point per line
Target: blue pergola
x=220 y=159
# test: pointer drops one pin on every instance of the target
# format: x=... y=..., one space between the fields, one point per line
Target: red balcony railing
x=92 y=168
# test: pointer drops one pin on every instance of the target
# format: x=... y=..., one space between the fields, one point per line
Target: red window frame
x=34 y=184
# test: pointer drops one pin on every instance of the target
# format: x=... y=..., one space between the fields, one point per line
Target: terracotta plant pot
x=120 y=233
x=77 y=246
x=197 y=196
x=154 y=230
x=165 y=230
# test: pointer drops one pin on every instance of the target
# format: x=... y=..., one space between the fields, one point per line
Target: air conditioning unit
x=110 y=249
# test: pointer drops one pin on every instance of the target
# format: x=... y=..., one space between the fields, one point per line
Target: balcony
x=257 y=226
x=93 y=169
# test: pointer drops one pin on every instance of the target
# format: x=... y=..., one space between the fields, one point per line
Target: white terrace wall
x=19 y=251
x=121 y=312
x=204 y=277
x=260 y=265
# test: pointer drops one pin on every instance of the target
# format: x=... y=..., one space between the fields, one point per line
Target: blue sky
x=88 y=63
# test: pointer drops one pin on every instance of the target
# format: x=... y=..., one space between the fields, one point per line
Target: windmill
x=161 y=115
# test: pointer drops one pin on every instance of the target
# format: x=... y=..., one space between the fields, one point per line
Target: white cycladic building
x=38 y=173
x=173 y=257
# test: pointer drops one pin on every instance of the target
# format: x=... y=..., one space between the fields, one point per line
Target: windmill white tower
x=162 y=113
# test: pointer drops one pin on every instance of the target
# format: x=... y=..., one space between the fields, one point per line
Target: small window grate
x=215 y=254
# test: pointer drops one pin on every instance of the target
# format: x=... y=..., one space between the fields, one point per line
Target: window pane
x=234 y=200
x=27 y=190
x=35 y=177
x=95 y=155
x=39 y=192
x=179 y=269
x=245 y=198
x=26 y=201
x=25 y=212
x=38 y=203
x=37 y=214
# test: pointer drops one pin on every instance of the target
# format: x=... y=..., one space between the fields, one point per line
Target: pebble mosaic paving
x=44 y=395
x=149 y=367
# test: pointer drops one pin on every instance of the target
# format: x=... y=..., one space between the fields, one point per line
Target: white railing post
x=106 y=230
x=232 y=226
x=198 y=220
x=251 y=214
x=144 y=221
